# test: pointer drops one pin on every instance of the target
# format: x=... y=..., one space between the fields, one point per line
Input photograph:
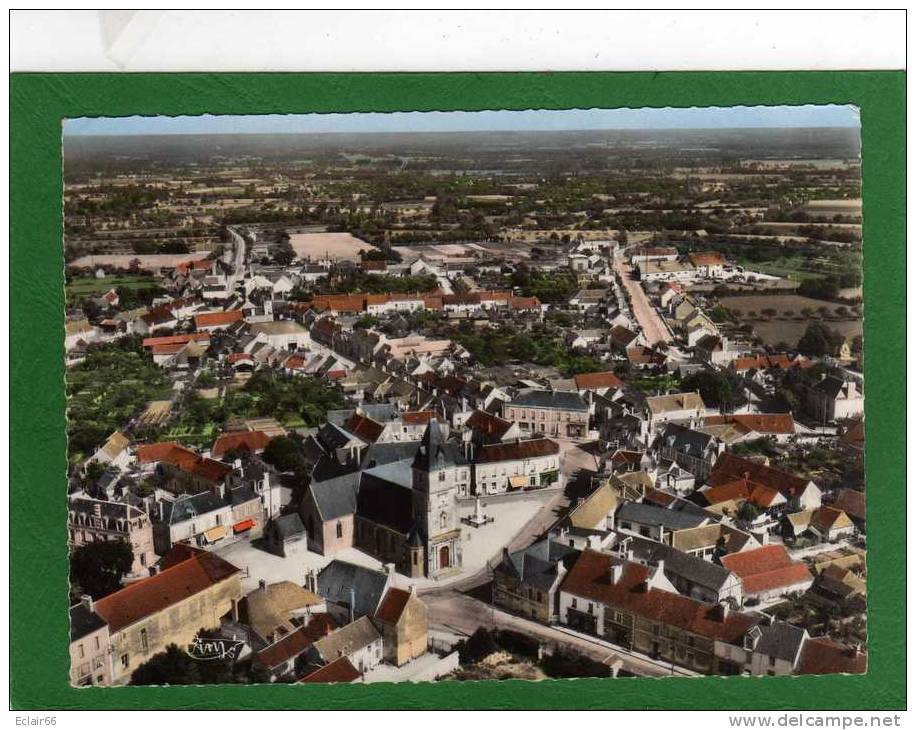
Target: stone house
x=92 y=520
x=526 y=582
x=519 y=465
x=194 y=590
x=549 y=413
x=401 y=618
x=90 y=646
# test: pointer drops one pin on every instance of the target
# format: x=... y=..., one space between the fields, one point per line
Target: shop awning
x=215 y=533
x=242 y=526
x=517 y=481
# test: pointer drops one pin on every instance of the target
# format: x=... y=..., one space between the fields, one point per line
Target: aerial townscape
x=389 y=407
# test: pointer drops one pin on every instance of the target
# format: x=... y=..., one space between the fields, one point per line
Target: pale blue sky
x=532 y=120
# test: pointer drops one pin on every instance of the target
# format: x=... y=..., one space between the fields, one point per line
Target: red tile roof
x=392 y=605
x=198 y=572
x=218 y=319
x=525 y=303
x=418 y=417
x=239 y=356
x=184 y=459
x=765 y=569
x=518 y=450
x=590 y=578
x=825 y=656
x=294 y=644
x=149 y=453
x=340 y=302
x=852 y=502
x=642 y=355
x=488 y=424
x=622 y=456
x=729 y=467
x=177 y=339
x=766 y=362
x=198 y=265
x=340 y=670
x=591 y=381
x=364 y=427
x=240 y=441
x=741 y=490
x=707 y=258
x=826 y=518
x=779 y=423
x=372 y=265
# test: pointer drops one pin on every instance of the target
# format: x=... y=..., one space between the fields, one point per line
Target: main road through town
x=649 y=319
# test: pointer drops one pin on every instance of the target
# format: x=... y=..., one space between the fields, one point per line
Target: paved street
x=462 y=614
x=645 y=313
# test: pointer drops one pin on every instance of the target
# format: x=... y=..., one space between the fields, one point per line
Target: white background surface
x=45 y=40
x=454 y=40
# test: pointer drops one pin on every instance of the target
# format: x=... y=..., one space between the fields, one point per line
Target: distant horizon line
x=328 y=133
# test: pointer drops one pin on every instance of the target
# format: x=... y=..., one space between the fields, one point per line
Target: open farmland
x=153 y=262
x=789 y=323
x=775 y=331
x=334 y=246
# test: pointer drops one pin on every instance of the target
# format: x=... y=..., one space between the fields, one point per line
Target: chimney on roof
x=616 y=573
x=389 y=569
x=87 y=602
x=262 y=585
x=412 y=589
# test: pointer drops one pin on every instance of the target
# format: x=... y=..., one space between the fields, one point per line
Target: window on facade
x=98 y=643
x=125 y=660
x=98 y=662
x=82 y=651
x=339 y=529
x=591 y=607
x=443 y=521
x=573 y=604
x=144 y=640
x=441 y=476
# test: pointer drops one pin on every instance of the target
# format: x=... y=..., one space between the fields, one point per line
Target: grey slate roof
x=83 y=622
x=336 y=497
x=696 y=570
x=650 y=514
x=385 y=503
x=189 y=507
x=550 y=399
x=337 y=579
x=782 y=640
x=830 y=386
x=684 y=440
x=381 y=412
x=289 y=526
x=536 y=565
x=378 y=454
x=436 y=452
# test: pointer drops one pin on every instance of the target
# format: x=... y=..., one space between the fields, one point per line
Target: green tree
x=819 y=340
x=717 y=389
x=285 y=454
x=98 y=567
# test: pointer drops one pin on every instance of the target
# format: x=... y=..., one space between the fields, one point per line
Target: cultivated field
x=153 y=261
x=334 y=246
x=789 y=328
x=790 y=331
x=782 y=304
